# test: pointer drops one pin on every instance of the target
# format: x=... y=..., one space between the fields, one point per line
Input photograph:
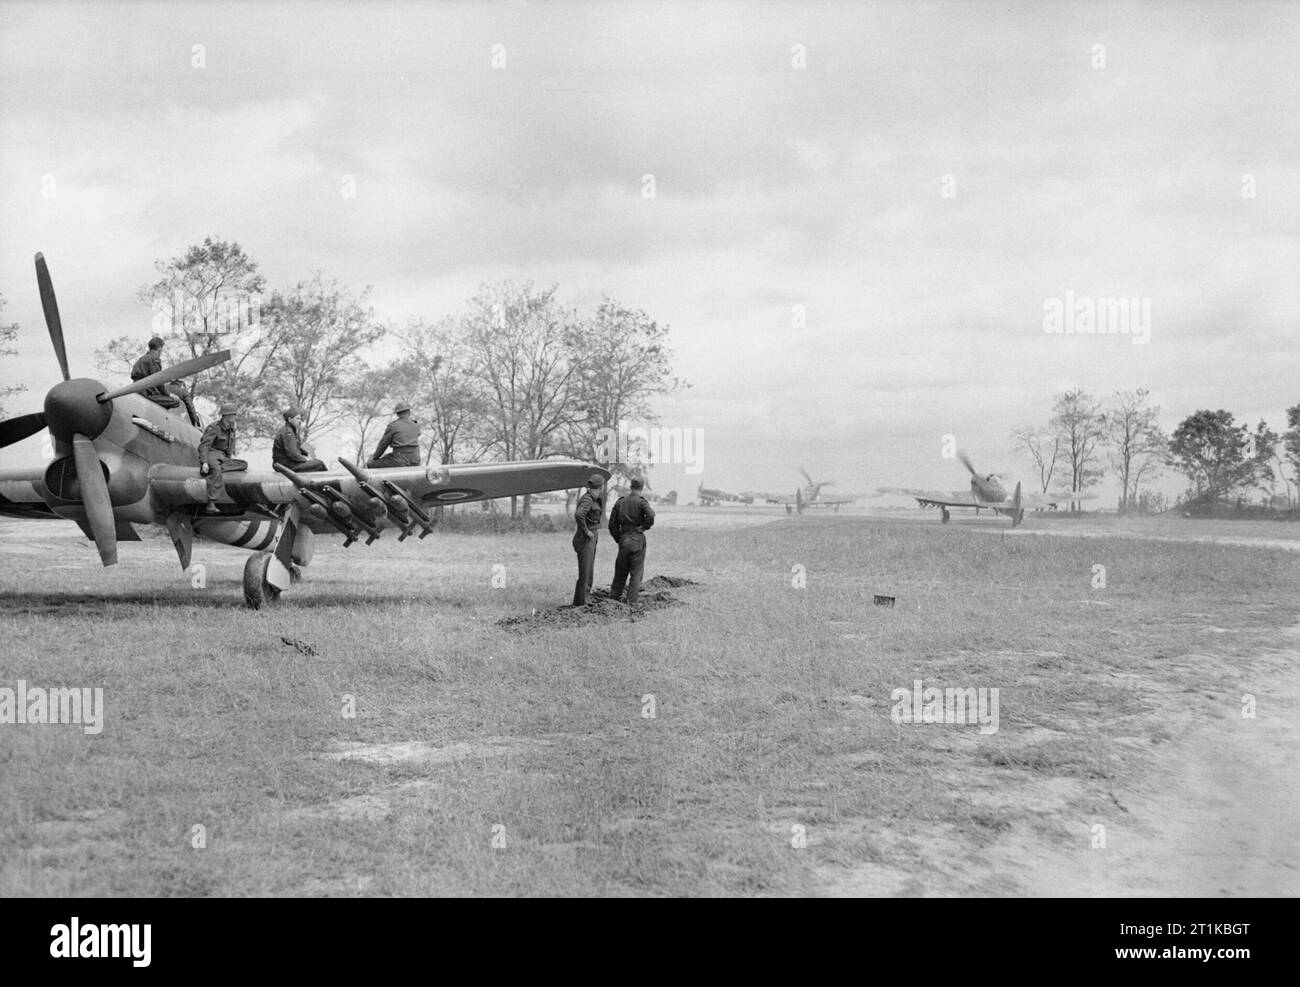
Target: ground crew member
x=288 y=449
x=631 y=517
x=403 y=434
x=217 y=455
x=591 y=505
x=151 y=363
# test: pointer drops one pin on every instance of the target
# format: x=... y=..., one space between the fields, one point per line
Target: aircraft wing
x=770 y=498
x=20 y=494
x=424 y=488
x=933 y=498
x=1058 y=497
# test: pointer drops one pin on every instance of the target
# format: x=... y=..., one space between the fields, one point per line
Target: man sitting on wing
x=217 y=455
x=164 y=395
x=403 y=435
x=288 y=449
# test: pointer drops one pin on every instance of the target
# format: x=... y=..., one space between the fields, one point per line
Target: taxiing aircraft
x=121 y=460
x=709 y=497
x=988 y=493
x=809 y=496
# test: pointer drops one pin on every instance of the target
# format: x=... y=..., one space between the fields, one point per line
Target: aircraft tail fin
x=1015 y=501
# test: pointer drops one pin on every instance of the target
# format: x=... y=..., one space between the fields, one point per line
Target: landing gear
x=1017 y=517
x=268 y=574
x=258 y=590
x=944 y=515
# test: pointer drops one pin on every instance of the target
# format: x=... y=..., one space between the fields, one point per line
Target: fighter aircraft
x=988 y=493
x=708 y=497
x=122 y=460
x=809 y=496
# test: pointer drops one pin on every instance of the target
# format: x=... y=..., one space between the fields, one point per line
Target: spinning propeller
x=76 y=411
x=965 y=461
x=814 y=483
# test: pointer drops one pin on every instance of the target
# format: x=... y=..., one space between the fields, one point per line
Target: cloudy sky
x=921 y=179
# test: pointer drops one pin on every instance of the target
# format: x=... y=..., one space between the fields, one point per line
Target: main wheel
x=257 y=591
x=944 y=515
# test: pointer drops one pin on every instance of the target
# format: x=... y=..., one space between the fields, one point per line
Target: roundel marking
x=448 y=496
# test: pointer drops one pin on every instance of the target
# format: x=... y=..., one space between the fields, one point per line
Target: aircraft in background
x=122 y=460
x=622 y=489
x=988 y=493
x=709 y=497
x=803 y=497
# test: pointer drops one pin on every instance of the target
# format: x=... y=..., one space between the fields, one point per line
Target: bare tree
x=521 y=343
x=1078 y=421
x=369 y=401
x=438 y=364
x=1138 y=447
x=1043 y=446
x=316 y=334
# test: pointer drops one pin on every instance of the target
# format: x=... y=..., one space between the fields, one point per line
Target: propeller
x=94 y=496
x=16 y=429
x=965 y=461
x=167 y=374
x=52 y=321
x=75 y=410
x=807 y=477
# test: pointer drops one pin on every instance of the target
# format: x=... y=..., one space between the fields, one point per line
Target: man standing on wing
x=630 y=519
x=591 y=505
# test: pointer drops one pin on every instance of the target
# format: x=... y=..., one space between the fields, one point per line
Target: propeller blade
x=184 y=369
x=52 y=321
x=807 y=477
x=94 y=497
x=965 y=461
x=17 y=429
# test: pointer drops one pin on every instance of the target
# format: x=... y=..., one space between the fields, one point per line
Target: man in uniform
x=403 y=434
x=591 y=505
x=151 y=363
x=288 y=449
x=217 y=455
x=631 y=517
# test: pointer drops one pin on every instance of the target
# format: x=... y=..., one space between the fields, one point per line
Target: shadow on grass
x=105 y=603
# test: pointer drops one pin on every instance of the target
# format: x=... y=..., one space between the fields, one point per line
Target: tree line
x=1220 y=457
x=515 y=375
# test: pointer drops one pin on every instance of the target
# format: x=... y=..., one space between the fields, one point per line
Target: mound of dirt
x=668 y=582
x=601 y=608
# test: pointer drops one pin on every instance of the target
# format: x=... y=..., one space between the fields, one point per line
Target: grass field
x=421 y=749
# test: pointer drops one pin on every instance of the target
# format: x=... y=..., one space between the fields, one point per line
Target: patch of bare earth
x=377 y=805
x=1213 y=809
